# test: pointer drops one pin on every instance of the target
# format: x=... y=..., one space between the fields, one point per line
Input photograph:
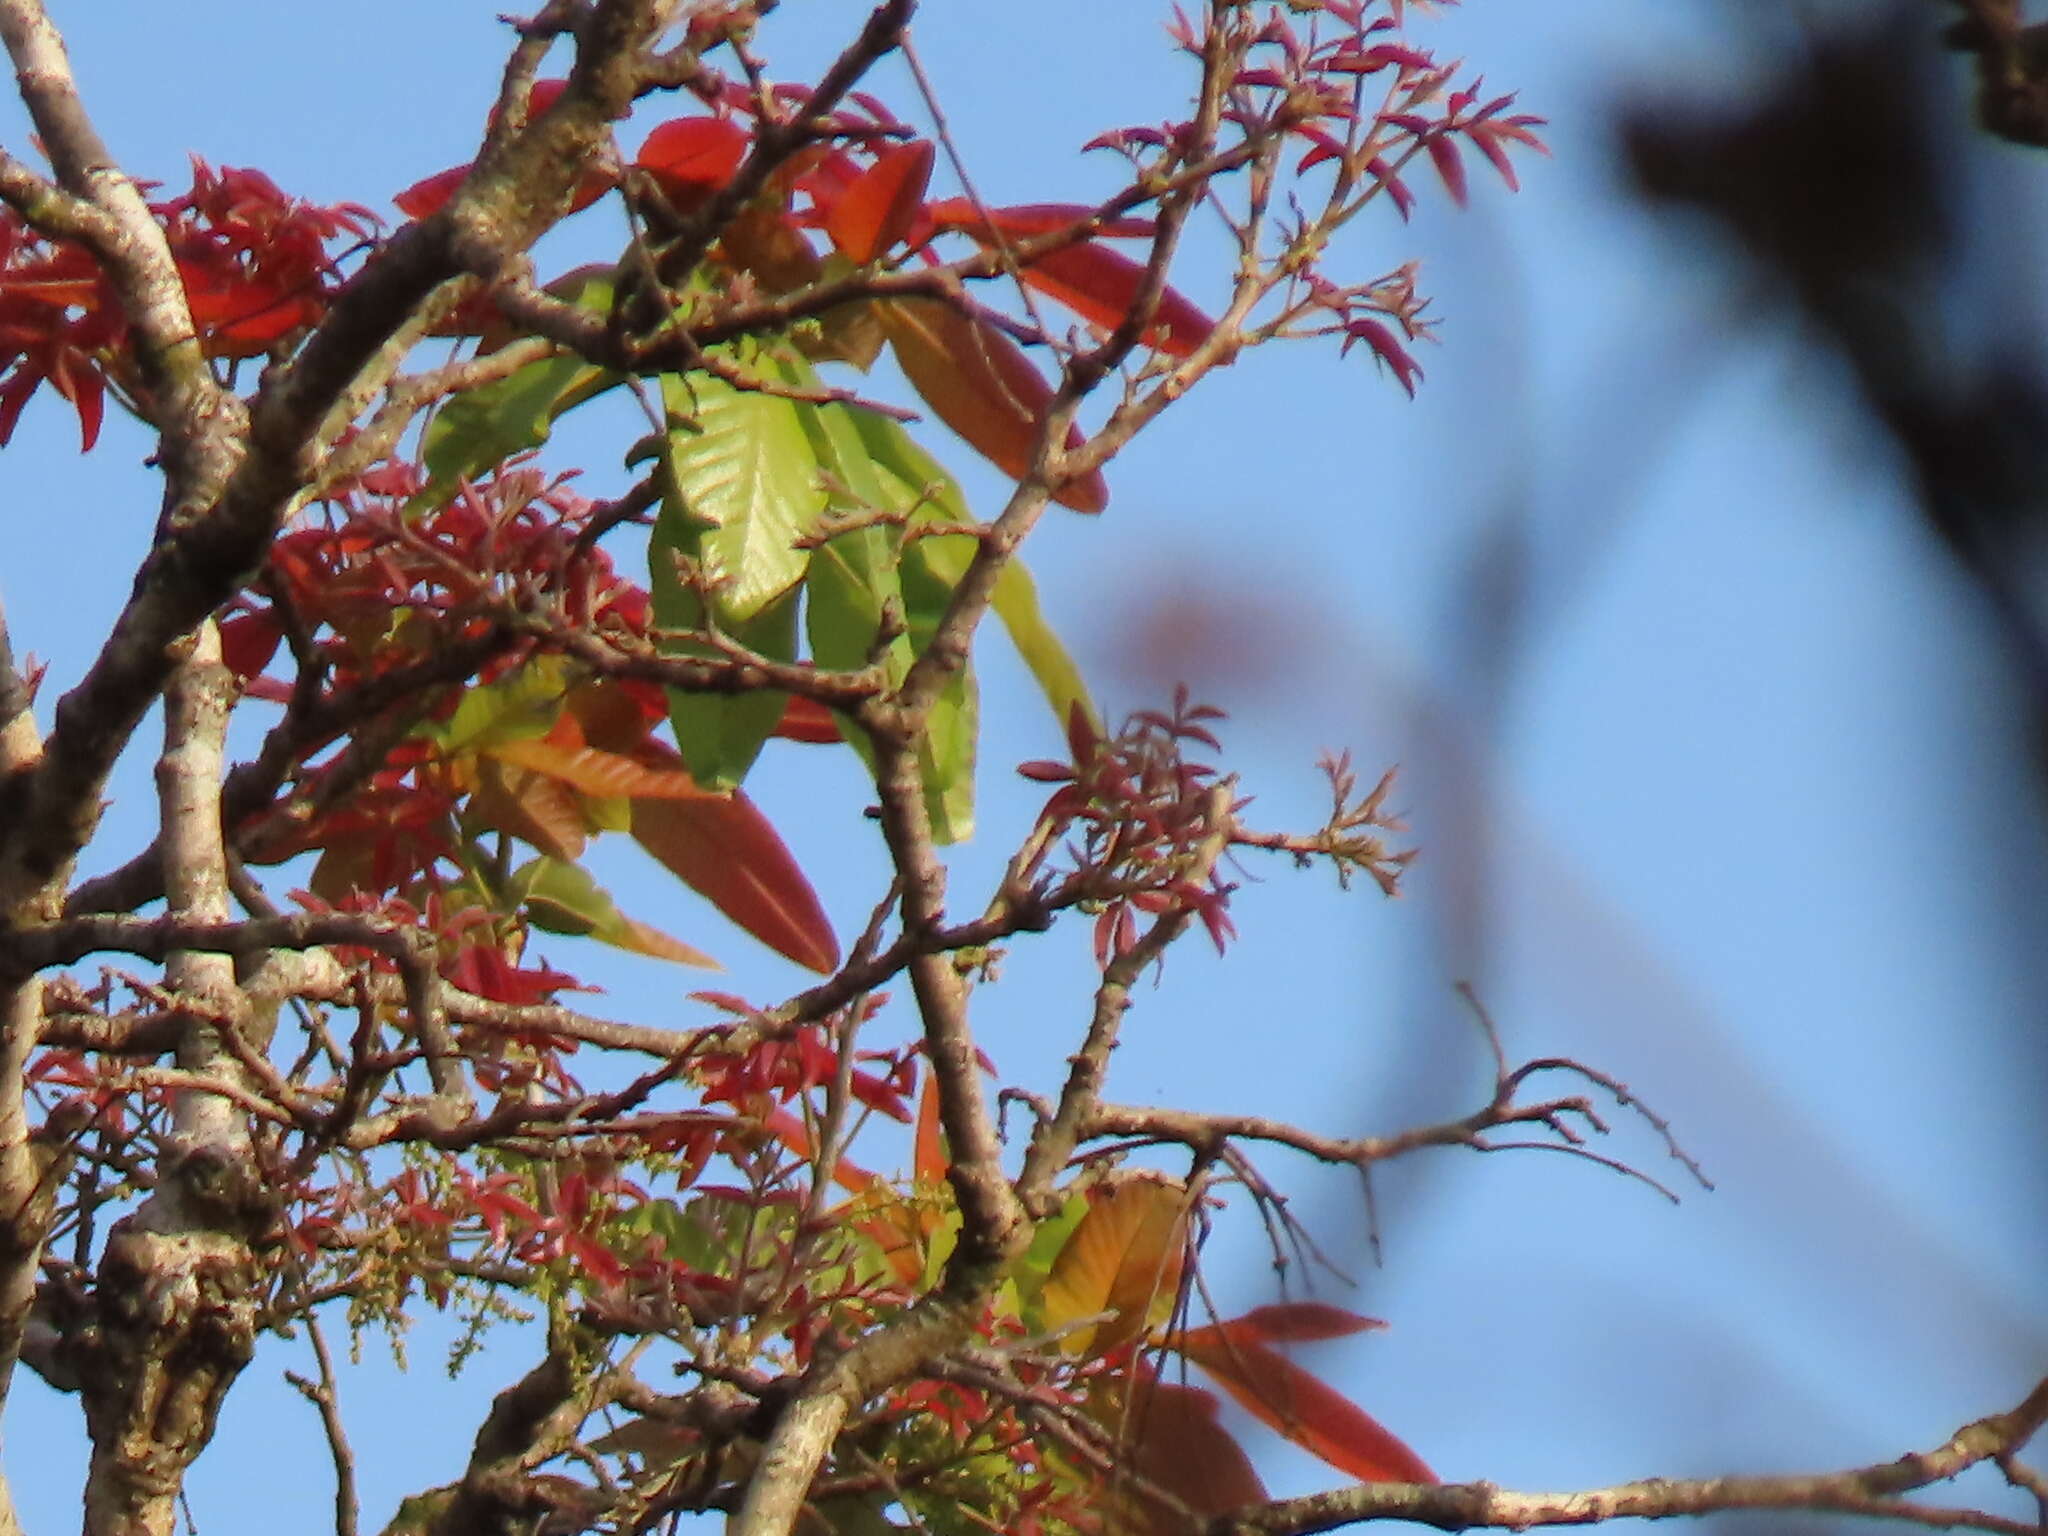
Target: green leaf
x=523 y=705
x=743 y=486
x=1035 y=1268
x=1016 y=604
x=559 y=897
x=481 y=428
x=852 y=578
x=857 y=573
x=740 y=483
x=720 y=734
x=941 y=562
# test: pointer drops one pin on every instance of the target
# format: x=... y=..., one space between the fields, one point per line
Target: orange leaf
x=724 y=849
x=643 y=939
x=929 y=1163
x=1300 y=1406
x=877 y=210
x=602 y=774
x=534 y=807
x=1122 y=1258
x=982 y=386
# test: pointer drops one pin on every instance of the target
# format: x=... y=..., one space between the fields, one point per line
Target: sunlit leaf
x=520 y=706
x=929 y=1162
x=1300 y=1322
x=932 y=567
x=1033 y=1270
x=1102 y=287
x=741 y=483
x=1022 y=221
x=693 y=154
x=743 y=486
x=877 y=210
x=1123 y=1259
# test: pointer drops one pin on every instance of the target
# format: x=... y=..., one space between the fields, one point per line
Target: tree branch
x=1872 y=1491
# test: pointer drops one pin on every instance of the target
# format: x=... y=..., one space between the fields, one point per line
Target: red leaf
x=982 y=386
x=693 y=154
x=1385 y=348
x=807 y=720
x=877 y=210
x=1312 y=1414
x=248 y=641
x=1100 y=285
x=1449 y=165
x=425 y=197
x=1095 y=282
x=1021 y=221
x=1301 y=1322
x=723 y=848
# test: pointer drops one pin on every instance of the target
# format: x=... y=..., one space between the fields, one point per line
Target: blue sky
x=1733 y=804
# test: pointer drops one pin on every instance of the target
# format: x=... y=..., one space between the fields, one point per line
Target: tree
x=353 y=1087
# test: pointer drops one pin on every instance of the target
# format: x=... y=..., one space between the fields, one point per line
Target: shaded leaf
x=480 y=428
x=1170 y=1435
x=721 y=734
x=857 y=575
x=560 y=897
x=533 y=807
